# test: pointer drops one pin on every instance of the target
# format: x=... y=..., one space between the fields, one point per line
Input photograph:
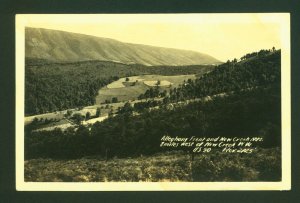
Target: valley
x=110 y=99
x=97 y=108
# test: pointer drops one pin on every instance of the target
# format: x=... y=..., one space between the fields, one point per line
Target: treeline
x=253 y=112
x=53 y=86
x=153 y=92
x=142 y=106
x=262 y=52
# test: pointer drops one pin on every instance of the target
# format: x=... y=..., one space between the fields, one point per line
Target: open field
x=154 y=83
x=94 y=120
x=53 y=115
x=136 y=85
x=122 y=81
x=174 y=79
x=262 y=165
x=62 y=124
x=123 y=94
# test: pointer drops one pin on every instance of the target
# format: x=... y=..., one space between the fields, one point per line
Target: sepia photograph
x=153 y=102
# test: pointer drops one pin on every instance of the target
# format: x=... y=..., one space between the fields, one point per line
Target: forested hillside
x=258 y=69
x=261 y=70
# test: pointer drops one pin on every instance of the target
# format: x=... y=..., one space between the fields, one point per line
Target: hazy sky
x=224 y=36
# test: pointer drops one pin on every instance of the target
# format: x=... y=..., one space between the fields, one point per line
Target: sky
x=223 y=36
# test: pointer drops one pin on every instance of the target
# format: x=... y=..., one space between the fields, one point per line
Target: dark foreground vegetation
x=262 y=165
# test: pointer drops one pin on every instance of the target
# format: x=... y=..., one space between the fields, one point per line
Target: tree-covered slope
x=261 y=70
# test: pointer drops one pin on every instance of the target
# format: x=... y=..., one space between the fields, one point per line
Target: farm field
x=94 y=120
x=62 y=124
x=134 y=86
x=262 y=165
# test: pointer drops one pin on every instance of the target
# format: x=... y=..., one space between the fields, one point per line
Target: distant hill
x=60 y=46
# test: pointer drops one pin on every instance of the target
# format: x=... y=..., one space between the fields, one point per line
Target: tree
x=69 y=113
x=98 y=112
x=110 y=113
x=127 y=108
x=114 y=100
x=78 y=118
x=163 y=94
x=166 y=100
x=87 y=115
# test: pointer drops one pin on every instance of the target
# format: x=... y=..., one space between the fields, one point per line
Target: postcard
x=153 y=102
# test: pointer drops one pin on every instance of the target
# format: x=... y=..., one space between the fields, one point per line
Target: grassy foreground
x=262 y=165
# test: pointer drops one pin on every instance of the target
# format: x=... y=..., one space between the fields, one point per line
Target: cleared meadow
x=130 y=88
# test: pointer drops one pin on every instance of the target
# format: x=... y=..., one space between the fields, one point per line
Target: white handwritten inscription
x=207 y=144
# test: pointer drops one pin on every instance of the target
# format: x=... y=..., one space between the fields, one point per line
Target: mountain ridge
x=60 y=46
